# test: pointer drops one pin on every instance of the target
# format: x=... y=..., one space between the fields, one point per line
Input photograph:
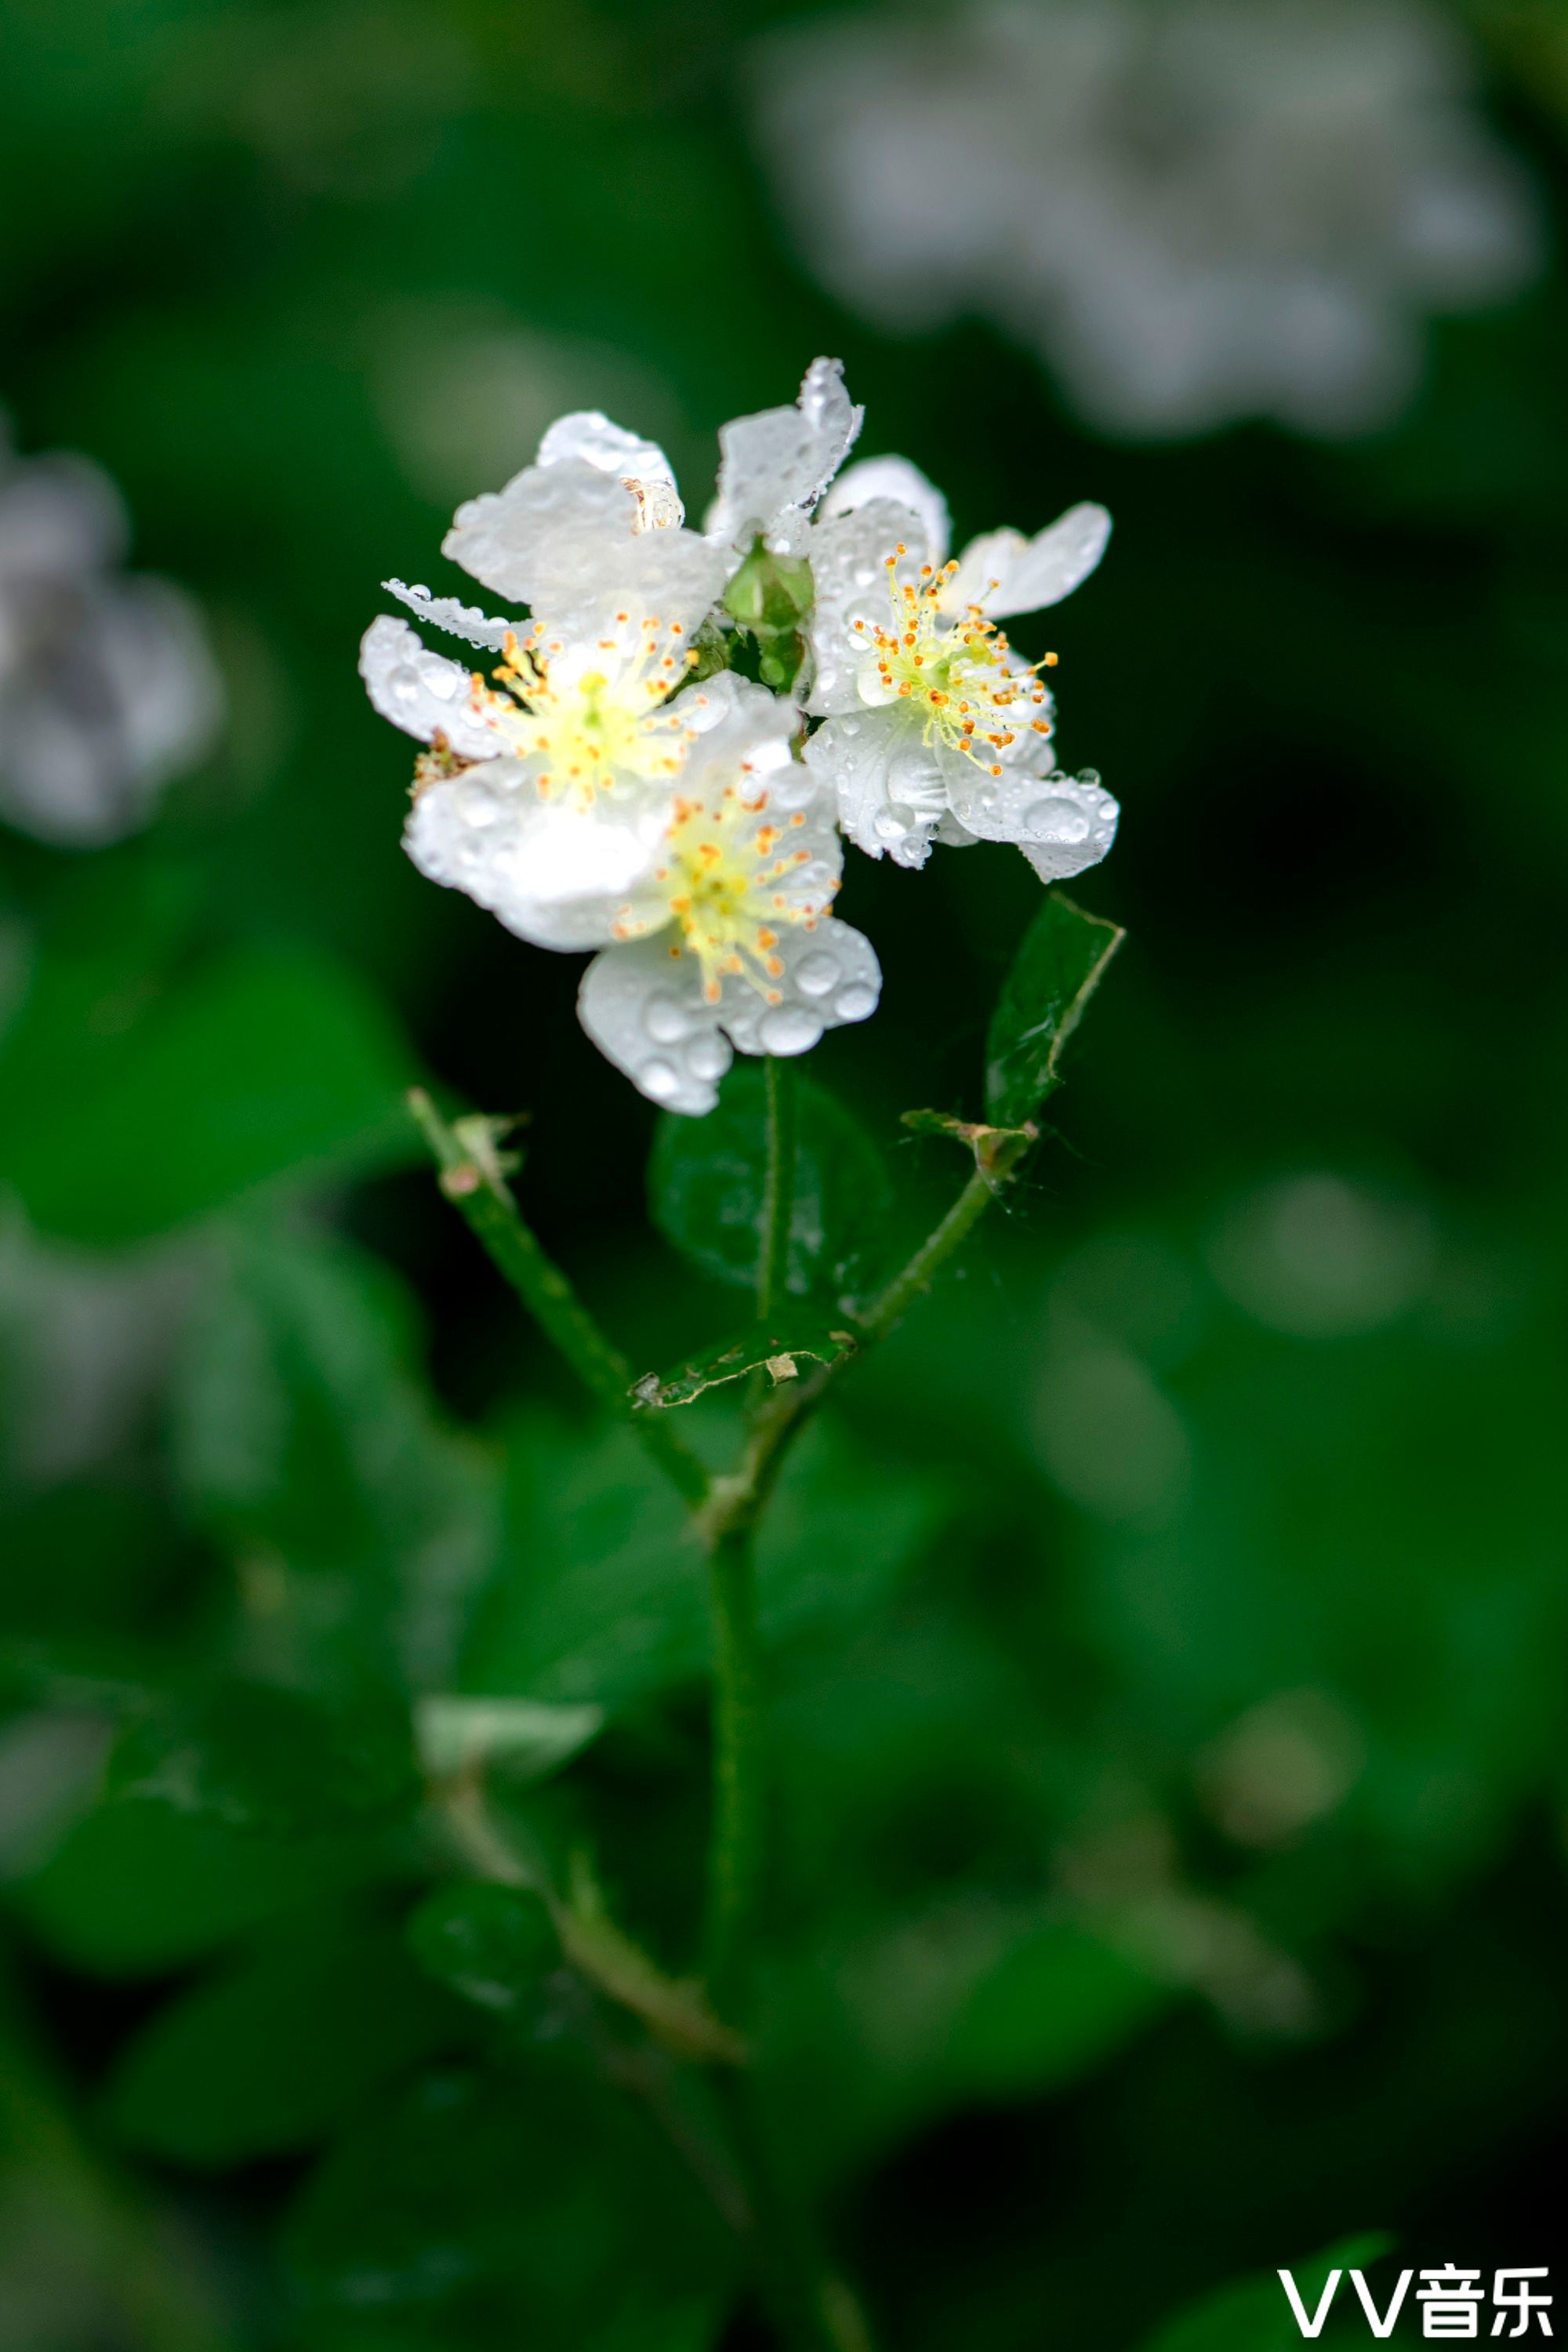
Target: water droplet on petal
x=658 y=1078
x=1059 y=820
x=816 y=973
x=856 y=1002
x=665 y=1021
x=892 y=821
x=706 y=1057
x=788 y=1029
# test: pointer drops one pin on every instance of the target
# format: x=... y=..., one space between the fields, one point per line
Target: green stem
x=472 y=1179
x=811 y=2307
x=778 y=1186
x=735 y=1501
x=894 y=1304
x=734 y=1873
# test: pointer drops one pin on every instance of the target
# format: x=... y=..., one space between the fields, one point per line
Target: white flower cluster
x=614 y=783
x=1195 y=211
x=107 y=686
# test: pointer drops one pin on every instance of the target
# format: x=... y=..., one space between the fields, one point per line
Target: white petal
x=645 y=1010
x=830 y=976
x=643 y=1005
x=1062 y=824
x=888 y=787
x=735 y=721
x=533 y=539
x=1030 y=573
x=781 y=461
x=559 y=876
x=458 y=620
x=671 y=573
x=588 y=435
x=849 y=571
x=424 y=693
x=569 y=539
x=904 y=485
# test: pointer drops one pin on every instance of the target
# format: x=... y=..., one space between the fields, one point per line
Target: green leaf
x=270 y=1762
x=529 y=2206
x=786 y=1349
x=705 y=1179
x=265 y=1066
x=1054 y=973
x=307 y=1441
x=892 y=2022
x=604 y=1596
x=490 y=1944
x=139 y=1889
x=522 y=1735
x=1254 y=2315
x=273 y=2055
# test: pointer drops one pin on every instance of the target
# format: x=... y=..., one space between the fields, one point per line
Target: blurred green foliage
x=1165 y=1633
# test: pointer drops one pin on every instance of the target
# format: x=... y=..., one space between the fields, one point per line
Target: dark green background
x=274 y=266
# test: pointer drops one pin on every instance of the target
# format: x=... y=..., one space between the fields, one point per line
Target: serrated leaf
x=269 y=1762
x=784 y=1349
x=1056 y=970
x=490 y=1944
x=273 y=2055
x=706 y=1180
x=525 y=1737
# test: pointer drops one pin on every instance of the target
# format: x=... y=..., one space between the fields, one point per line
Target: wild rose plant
x=658 y=765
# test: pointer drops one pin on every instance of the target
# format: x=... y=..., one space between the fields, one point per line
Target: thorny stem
x=778 y=1188
x=472 y=1179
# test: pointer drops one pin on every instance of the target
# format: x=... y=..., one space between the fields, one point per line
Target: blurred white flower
x=108 y=687
x=1194 y=210
x=86 y=1343
x=935 y=728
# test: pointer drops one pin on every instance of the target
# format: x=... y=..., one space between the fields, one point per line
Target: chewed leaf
x=786 y=1351
x=1054 y=973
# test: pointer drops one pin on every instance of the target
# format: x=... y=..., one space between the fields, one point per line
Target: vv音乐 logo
x=1451 y=2301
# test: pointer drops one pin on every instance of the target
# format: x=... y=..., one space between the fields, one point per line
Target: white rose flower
x=579 y=737
x=713 y=908
x=934 y=727
x=728 y=940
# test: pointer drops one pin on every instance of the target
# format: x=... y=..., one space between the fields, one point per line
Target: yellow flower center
x=955 y=673
x=594 y=715
x=723 y=878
